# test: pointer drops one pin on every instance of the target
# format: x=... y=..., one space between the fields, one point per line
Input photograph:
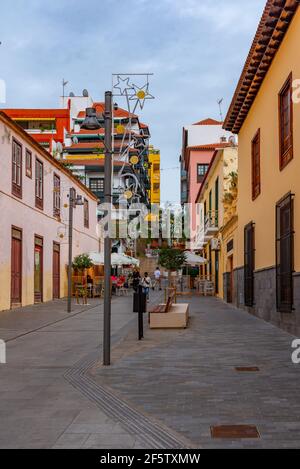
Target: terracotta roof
x=275 y=21
x=99 y=162
x=101 y=132
x=122 y=113
x=92 y=145
x=209 y=121
x=36 y=113
x=210 y=146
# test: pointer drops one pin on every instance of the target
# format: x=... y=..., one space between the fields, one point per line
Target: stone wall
x=265 y=299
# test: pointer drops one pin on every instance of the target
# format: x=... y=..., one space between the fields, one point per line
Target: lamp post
x=73 y=202
x=91 y=123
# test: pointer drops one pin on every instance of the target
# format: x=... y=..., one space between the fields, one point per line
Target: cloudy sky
x=195 y=48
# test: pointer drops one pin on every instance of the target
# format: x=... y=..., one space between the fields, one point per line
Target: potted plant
x=81 y=263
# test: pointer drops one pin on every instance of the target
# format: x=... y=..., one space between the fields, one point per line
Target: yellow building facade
x=154 y=173
x=265 y=113
x=218 y=196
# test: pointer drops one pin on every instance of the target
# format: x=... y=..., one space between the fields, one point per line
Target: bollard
x=140 y=307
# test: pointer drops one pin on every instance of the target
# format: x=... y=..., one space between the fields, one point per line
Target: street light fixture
x=91 y=123
x=74 y=201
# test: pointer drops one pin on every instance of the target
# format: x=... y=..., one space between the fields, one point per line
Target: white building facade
x=34 y=204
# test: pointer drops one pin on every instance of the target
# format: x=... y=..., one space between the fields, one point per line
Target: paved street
x=187 y=380
x=166 y=392
x=38 y=407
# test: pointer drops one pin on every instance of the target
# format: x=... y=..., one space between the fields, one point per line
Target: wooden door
x=16 y=267
x=56 y=271
x=230 y=286
x=38 y=271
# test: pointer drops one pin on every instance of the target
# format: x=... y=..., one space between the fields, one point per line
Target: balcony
x=211 y=224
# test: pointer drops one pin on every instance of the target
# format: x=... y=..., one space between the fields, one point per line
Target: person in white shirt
x=157 y=276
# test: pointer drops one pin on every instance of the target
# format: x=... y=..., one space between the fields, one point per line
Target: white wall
x=23 y=214
x=205 y=134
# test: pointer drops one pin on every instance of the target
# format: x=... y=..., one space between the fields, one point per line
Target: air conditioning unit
x=215 y=244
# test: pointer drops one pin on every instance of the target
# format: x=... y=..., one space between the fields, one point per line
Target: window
x=56 y=196
x=156 y=167
x=217 y=201
x=285 y=254
x=249 y=264
x=286 y=123
x=96 y=184
x=39 y=184
x=86 y=213
x=256 y=183
x=28 y=163
x=156 y=187
x=201 y=171
x=16 y=169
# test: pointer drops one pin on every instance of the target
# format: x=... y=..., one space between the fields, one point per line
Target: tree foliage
x=83 y=261
x=171 y=259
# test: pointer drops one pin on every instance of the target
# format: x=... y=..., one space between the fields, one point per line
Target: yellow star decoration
x=120 y=129
x=134 y=160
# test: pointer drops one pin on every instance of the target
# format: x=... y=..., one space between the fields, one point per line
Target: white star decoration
x=124 y=86
x=141 y=94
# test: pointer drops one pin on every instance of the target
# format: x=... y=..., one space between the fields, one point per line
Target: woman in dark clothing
x=136 y=279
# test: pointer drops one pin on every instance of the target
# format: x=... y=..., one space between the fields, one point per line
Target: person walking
x=157 y=277
x=136 y=277
x=146 y=284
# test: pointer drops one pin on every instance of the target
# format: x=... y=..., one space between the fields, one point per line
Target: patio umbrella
x=116 y=259
x=194 y=259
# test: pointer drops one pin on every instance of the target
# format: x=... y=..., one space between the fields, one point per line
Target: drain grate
x=235 y=432
x=247 y=369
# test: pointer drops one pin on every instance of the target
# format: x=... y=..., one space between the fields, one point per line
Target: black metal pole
x=70 y=256
x=107 y=240
x=141 y=312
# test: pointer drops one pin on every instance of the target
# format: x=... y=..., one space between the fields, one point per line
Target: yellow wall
x=274 y=183
x=154 y=158
x=225 y=163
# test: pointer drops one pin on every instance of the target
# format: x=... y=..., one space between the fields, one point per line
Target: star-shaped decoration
x=138 y=142
x=141 y=94
x=124 y=86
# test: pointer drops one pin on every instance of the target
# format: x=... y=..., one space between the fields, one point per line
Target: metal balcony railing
x=211 y=222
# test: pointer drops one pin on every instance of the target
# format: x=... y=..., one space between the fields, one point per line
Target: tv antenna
x=220 y=102
x=64 y=84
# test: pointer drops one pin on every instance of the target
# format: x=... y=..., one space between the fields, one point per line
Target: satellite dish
x=85 y=93
x=232 y=140
x=71 y=95
x=75 y=140
x=59 y=147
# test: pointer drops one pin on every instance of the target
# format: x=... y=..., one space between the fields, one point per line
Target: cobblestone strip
x=152 y=434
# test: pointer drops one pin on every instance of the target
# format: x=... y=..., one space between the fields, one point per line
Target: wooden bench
x=169 y=315
x=166 y=307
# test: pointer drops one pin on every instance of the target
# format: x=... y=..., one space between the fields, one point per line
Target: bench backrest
x=171 y=299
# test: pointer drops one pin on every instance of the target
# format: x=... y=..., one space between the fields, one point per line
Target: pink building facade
x=34 y=190
x=199 y=143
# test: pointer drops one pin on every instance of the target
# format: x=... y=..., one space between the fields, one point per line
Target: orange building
x=46 y=126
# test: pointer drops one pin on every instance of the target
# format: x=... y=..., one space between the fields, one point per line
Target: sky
x=195 y=48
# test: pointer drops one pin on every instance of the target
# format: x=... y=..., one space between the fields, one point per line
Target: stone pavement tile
x=71 y=441
x=189 y=382
x=120 y=441
x=37 y=404
x=81 y=428
x=92 y=416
